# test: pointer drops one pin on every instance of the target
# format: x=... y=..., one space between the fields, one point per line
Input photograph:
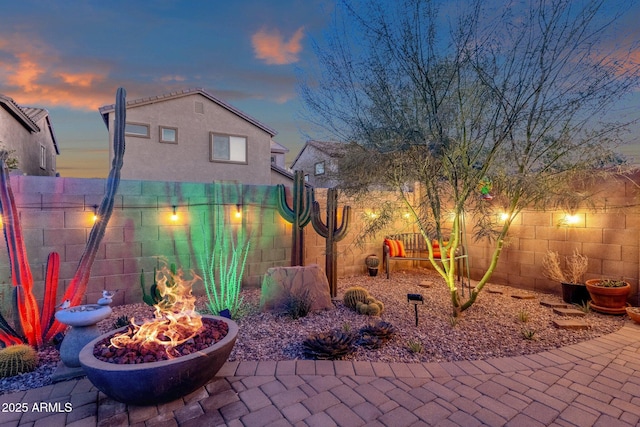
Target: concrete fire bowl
x=157 y=382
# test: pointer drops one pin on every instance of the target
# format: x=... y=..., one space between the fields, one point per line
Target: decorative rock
x=76 y=338
x=523 y=296
x=554 y=304
x=569 y=312
x=426 y=284
x=570 y=324
x=280 y=282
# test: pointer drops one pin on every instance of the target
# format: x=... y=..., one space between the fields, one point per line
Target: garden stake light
x=415 y=299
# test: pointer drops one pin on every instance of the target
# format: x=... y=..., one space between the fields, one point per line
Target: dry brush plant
x=576 y=267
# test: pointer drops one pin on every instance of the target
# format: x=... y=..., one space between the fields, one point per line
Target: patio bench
x=413 y=247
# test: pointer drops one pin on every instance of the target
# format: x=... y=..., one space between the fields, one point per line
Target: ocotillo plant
x=31 y=325
x=299 y=214
x=332 y=234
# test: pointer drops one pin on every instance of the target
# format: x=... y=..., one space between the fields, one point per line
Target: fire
x=175 y=319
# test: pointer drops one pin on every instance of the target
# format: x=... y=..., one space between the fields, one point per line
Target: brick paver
x=592 y=383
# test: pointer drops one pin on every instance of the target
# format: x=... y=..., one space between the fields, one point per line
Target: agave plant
x=34 y=325
x=376 y=335
x=332 y=345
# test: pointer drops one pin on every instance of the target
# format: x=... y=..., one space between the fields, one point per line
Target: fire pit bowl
x=160 y=381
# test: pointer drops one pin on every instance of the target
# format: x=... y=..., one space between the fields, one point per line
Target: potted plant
x=609 y=296
x=634 y=313
x=574 y=290
x=372 y=261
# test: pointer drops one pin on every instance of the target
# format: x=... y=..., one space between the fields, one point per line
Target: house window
x=306 y=177
x=228 y=148
x=43 y=157
x=273 y=160
x=319 y=168
x=168 y=134
x=137 y=129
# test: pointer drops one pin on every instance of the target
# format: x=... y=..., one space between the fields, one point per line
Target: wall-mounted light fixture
x=238 y=213
x=174 y=215
x=571 y=219
x=95 y=213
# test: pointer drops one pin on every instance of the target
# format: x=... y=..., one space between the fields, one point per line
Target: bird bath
x=82 y=320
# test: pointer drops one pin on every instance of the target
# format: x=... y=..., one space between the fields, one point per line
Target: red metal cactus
x=33 y=328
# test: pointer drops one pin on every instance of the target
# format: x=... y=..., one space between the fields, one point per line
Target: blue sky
x=70 y=57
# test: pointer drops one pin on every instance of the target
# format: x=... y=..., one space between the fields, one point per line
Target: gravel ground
x=269 y=336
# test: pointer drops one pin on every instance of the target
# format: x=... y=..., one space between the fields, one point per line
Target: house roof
x=28 y=116
x=105 y=110
x=19 y=113
x=284 y=172
x=330 y=148
x=278 y=148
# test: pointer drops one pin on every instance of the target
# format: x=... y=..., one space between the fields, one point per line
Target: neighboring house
x=193 y=136
x=27 y=131
x=319 y=161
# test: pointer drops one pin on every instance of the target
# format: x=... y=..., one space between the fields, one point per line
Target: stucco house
x=27 y=132
x=319 y=161
x=193 y=136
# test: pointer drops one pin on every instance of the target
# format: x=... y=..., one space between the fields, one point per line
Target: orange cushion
x=396 y=248
x=436 y=248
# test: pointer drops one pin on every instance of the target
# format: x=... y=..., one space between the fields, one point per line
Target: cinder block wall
x=606 y=232
x=56 y=215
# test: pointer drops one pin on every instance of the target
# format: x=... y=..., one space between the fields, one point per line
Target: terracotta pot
x=162 y=381
x=634 y=313
x=608 y=300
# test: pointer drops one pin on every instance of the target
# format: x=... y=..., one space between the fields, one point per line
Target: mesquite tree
x=474 y=101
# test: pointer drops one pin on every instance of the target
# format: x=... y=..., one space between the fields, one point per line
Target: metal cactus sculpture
x=299 y=214
x=31 y=325
x=332 y=233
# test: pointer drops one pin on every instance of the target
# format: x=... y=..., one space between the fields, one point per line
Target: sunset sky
x=70 y=57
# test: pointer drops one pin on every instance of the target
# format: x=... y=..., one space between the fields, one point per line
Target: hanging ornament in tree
x=484 y=187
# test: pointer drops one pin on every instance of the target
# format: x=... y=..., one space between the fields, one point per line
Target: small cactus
x=354 y=295
x=17 y=359
x=360 y=300
x=373 y=309
x=372 y=261
x=153 y=297
x=121 y=322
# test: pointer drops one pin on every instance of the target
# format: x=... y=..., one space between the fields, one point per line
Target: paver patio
x=592 y=383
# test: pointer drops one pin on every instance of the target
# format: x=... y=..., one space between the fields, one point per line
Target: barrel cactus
x=17 y=359
x=354 y=295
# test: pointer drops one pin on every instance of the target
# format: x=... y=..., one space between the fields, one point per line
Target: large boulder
x=282 y=283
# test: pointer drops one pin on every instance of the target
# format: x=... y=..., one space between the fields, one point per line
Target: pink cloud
x=35 y=75
x=270 y=46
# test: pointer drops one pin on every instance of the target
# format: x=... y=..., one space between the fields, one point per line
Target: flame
x=175 y=319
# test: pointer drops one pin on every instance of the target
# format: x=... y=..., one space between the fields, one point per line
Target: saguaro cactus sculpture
x=29 y=326
x=299 y=214
x=332 y=234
